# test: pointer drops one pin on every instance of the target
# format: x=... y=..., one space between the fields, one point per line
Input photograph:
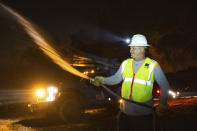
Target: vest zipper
x=134 y=76
x=132 y=85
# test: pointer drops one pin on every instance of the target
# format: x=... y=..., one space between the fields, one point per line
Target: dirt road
x=182 y=116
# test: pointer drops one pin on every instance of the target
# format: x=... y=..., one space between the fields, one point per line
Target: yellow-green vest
x=138 y=86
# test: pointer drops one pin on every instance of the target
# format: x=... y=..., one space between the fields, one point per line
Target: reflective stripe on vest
x=149 y=83
x=151 y=68
x=123 y=65
x=143 y=81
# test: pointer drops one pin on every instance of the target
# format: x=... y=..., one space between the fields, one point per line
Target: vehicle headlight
x=52 y=92
x=40 y=93
x=48 y=94
x=173 y=94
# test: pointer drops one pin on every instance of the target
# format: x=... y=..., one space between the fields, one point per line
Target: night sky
x=97 y=27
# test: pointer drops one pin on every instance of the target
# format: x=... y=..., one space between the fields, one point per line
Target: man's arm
x=161 y=80
x=114 y=79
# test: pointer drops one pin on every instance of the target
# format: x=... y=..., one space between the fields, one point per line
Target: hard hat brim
x=139 y=45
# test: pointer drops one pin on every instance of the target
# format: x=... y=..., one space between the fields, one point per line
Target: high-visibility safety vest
x=138 y=86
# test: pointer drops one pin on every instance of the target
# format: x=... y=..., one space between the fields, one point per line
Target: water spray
x=43 y=44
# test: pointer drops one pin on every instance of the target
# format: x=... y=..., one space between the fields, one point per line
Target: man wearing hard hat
x=138 y=74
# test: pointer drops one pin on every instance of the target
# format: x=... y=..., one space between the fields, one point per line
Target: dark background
x=97 y=27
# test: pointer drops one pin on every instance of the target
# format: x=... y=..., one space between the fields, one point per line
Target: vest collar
x=140 y=65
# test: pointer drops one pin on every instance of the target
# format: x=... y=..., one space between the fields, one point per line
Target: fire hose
x=119 y=97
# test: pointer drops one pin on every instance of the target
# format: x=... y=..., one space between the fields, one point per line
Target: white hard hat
x=138 y=40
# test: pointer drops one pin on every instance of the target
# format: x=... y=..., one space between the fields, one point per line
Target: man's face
x=136 y=51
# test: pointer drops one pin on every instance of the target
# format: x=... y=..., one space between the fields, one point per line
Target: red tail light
x=158 y=91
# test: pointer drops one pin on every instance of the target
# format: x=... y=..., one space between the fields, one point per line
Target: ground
x=182 y=115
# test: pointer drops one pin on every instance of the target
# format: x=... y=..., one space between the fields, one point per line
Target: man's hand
x=97 y=81
x=161 y=109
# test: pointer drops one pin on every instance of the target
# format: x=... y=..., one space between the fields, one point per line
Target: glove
x=97 y=81
x=161 y=109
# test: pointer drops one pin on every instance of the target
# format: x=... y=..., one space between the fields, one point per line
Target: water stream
x=44 y=45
